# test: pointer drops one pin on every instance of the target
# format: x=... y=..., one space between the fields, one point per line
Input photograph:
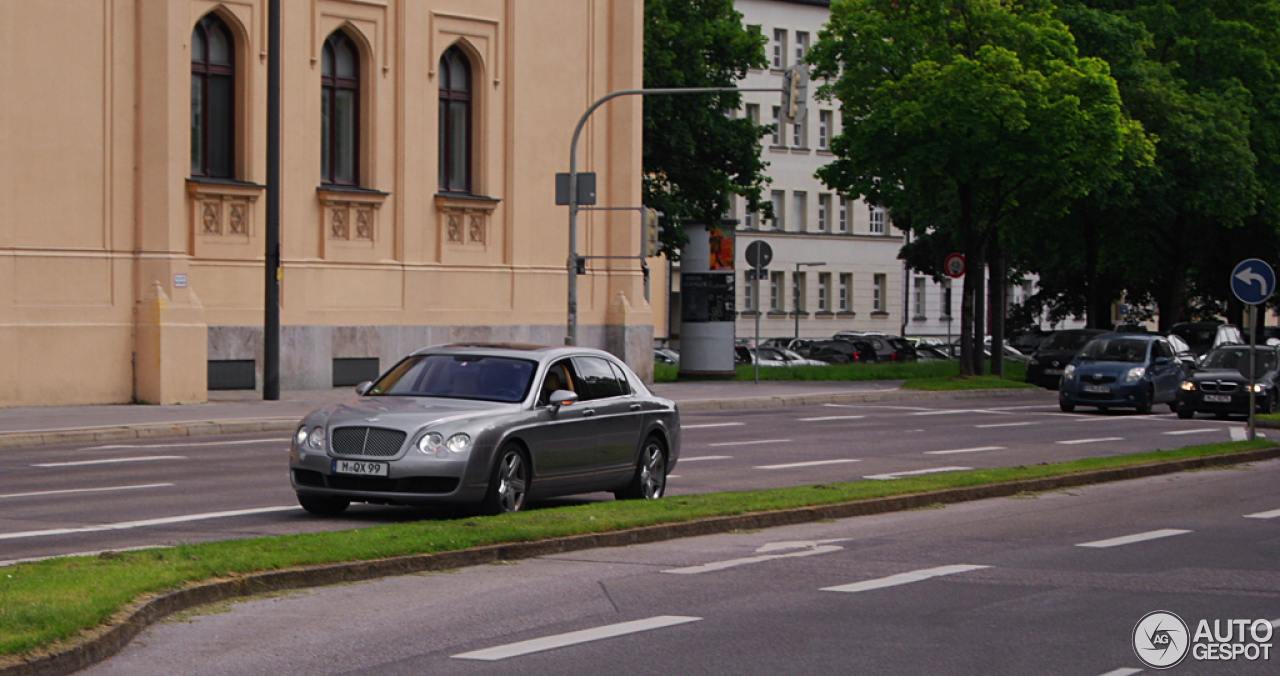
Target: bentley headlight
x=1135 y=374
x=317 y=438
x=1069 y=371
x=300 y=437
x=458 y=443
x=430 y=443
x=1188 y=386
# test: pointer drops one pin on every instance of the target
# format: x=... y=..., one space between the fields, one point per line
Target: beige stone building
x=420 y=141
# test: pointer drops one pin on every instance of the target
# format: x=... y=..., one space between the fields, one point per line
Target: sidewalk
x=240 y=412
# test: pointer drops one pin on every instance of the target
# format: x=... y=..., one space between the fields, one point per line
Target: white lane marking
x=795 y=544
x=1178 y=433
x=1073 y=442
x=1264 y=515
x=696 y=458
x=706 y=425
x=751 y=443
x=954 y=411
x=1275 y=623
x=1123 y=671
x=1137 y=537
x=127 y=525
x=83 y=490
x=47 y=430
x=897 y=408
x=748 y=560
x=813 y=463
x=202 y=443
x=976 y=449
x=1015 y=408
x=934 y=470
x=80 y=463
x=832 y=417
x=14 y=562
x=1239 y=434
x=1017 y=424
x=574 y=637
x=903 y=578
x=673 y=476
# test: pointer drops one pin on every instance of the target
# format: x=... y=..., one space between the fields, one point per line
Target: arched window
x=340 y=111
x=455 y=122
x=212 y=99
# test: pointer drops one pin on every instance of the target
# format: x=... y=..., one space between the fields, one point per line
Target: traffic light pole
x=571 y=337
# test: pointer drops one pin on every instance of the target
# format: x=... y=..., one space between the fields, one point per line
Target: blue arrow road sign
x=1253 y=281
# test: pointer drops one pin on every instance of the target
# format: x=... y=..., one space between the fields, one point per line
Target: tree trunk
x=976 y=269
x=966 y=296
x=996 y=281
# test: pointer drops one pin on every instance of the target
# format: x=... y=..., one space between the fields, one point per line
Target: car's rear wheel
x=650 y=479
x=1066 y=408
x=1144 y=404
x=509 y=482
x=323 y=506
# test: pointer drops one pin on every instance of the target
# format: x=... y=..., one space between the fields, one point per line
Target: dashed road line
x=811 y=463
x=878 y=406
x=903 y=578
x=1123 y=671
x=127 y=525
x=706 y=425
x=1015 y=424
x=1074 y=442
x=574 y=638
x=918 y=472
x=696 y=458
x=67 y=491
x=955 y=411
x=1178 y=433
x=1264 y=515
x=110 y=461
x=809 y=549
x=977 y=449
x=1137 y=537
x=832 y=417
x=240 y=442
x=751 y=443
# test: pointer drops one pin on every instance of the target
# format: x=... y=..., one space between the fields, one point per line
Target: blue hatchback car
x=1122 y=370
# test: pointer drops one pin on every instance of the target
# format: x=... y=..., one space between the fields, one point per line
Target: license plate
x=361 y=468
x=1097 y=389
x=1217 y=398
x=1053 y=372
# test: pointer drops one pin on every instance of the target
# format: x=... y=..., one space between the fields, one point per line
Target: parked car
x=1028 y=342
x=840 y=351
x=1049 y=361
x=662 y=355
x=1121 y=370
x=932 y=353
x=1183 y=353
x=491 y=425
x=1205 y=336
x=1221 y=385
x=887 y=348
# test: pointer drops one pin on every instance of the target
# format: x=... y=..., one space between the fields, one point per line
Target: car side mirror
x=1161 y=361
x=562 y=398
x=363 y=388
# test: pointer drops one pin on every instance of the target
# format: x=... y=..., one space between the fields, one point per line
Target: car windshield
x=1065 y=341
x=1238 y=360
x=1197 y=335
x=458 y=377
x=1115 y=349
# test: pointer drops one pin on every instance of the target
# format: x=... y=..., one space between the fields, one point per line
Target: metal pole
x=571 y=337
x=271 y=302
x=1253 y=366
x=755 y=294
x=795 y=299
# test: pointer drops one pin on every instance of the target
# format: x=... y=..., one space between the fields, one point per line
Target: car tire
x=650 y=479
x=1145 y=404
x=1173 y=407
x=1186 y=412
x=508 y=482
x=1221 y=416
x=1066 y=408
x=321 y=506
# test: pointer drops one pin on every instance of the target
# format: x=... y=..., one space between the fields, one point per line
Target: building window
x=877 y=293
x=455 y=122
x=339 y=110
x=777 y=126
x=802 y=46
x=798 y=133
x=753 y=112
x=775 y=285
x=946 y=299
x=748 y=216
x=824 y=211
x=824 y=292
x=212 y=99
x=918 y=298
x=748 y=296
x=846 y=287
x=877 y=220
x=779 y=216
x=844 y=215
x=824 y=130
x=799 y=211
x=778 y=47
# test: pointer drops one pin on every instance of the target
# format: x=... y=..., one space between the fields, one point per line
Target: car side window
x=559 y=376
x=597 y=378
x=623 y=384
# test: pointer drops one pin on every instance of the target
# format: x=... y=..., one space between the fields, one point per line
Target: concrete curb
x=111 y=639
x=249 y=426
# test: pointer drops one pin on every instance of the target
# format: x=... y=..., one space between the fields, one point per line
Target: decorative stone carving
x=211 y=216
x=238 y=223
x=338 y=223
x=221 y=219
x=455 y=228
x=476 y=231
x=465 y=219
x=349 y=224
x=364 y=224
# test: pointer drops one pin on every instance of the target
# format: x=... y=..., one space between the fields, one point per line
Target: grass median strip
x=44 y=602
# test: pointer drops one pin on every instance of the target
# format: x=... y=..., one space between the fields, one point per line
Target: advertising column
x=707 y=302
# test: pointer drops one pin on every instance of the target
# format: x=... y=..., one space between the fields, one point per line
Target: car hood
x=409 y=413
x=1063 y=357
x=1229 y=375
x=1105 y=368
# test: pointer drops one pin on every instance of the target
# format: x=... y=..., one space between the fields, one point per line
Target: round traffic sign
x=1253 y=281
x=954 y=265
x=759 y=253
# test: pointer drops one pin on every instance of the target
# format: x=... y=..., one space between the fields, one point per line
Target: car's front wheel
x=650 y=479
x=1066 y=408
x=509 y=482
x=1185 y=412
x=323 y=506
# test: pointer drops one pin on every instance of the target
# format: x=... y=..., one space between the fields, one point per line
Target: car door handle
x=588 y=413
x=635 y=407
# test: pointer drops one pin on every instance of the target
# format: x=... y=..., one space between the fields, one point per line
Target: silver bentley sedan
x=491 y=425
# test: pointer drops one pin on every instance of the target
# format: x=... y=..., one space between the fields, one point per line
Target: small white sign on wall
x=179 y=281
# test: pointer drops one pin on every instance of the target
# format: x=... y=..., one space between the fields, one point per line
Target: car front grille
x=369 y=442
x=1094 y=380
x=1219 y=386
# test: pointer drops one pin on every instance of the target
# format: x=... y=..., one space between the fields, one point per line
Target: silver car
x=491 y=425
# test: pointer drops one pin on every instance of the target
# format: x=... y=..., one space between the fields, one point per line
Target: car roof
x=1146 y=337
x=515 y=350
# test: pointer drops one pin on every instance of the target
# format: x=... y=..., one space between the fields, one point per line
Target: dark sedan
x=1221 y=385
x=1051 y=358
x=488 y=425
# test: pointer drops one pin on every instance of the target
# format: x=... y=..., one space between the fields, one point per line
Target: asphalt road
x=1047 y=584
x=93 y=497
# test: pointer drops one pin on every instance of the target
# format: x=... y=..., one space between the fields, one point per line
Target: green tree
x=696 y=155
x=973 y=116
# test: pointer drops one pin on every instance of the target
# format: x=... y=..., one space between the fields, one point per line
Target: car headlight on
x=300 y=437
x=1257 y=388
x=1135 y=374
x=458 y=443
x=316 y=438
x=1188 y=386
x=1069 y=371
x=430 y=443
